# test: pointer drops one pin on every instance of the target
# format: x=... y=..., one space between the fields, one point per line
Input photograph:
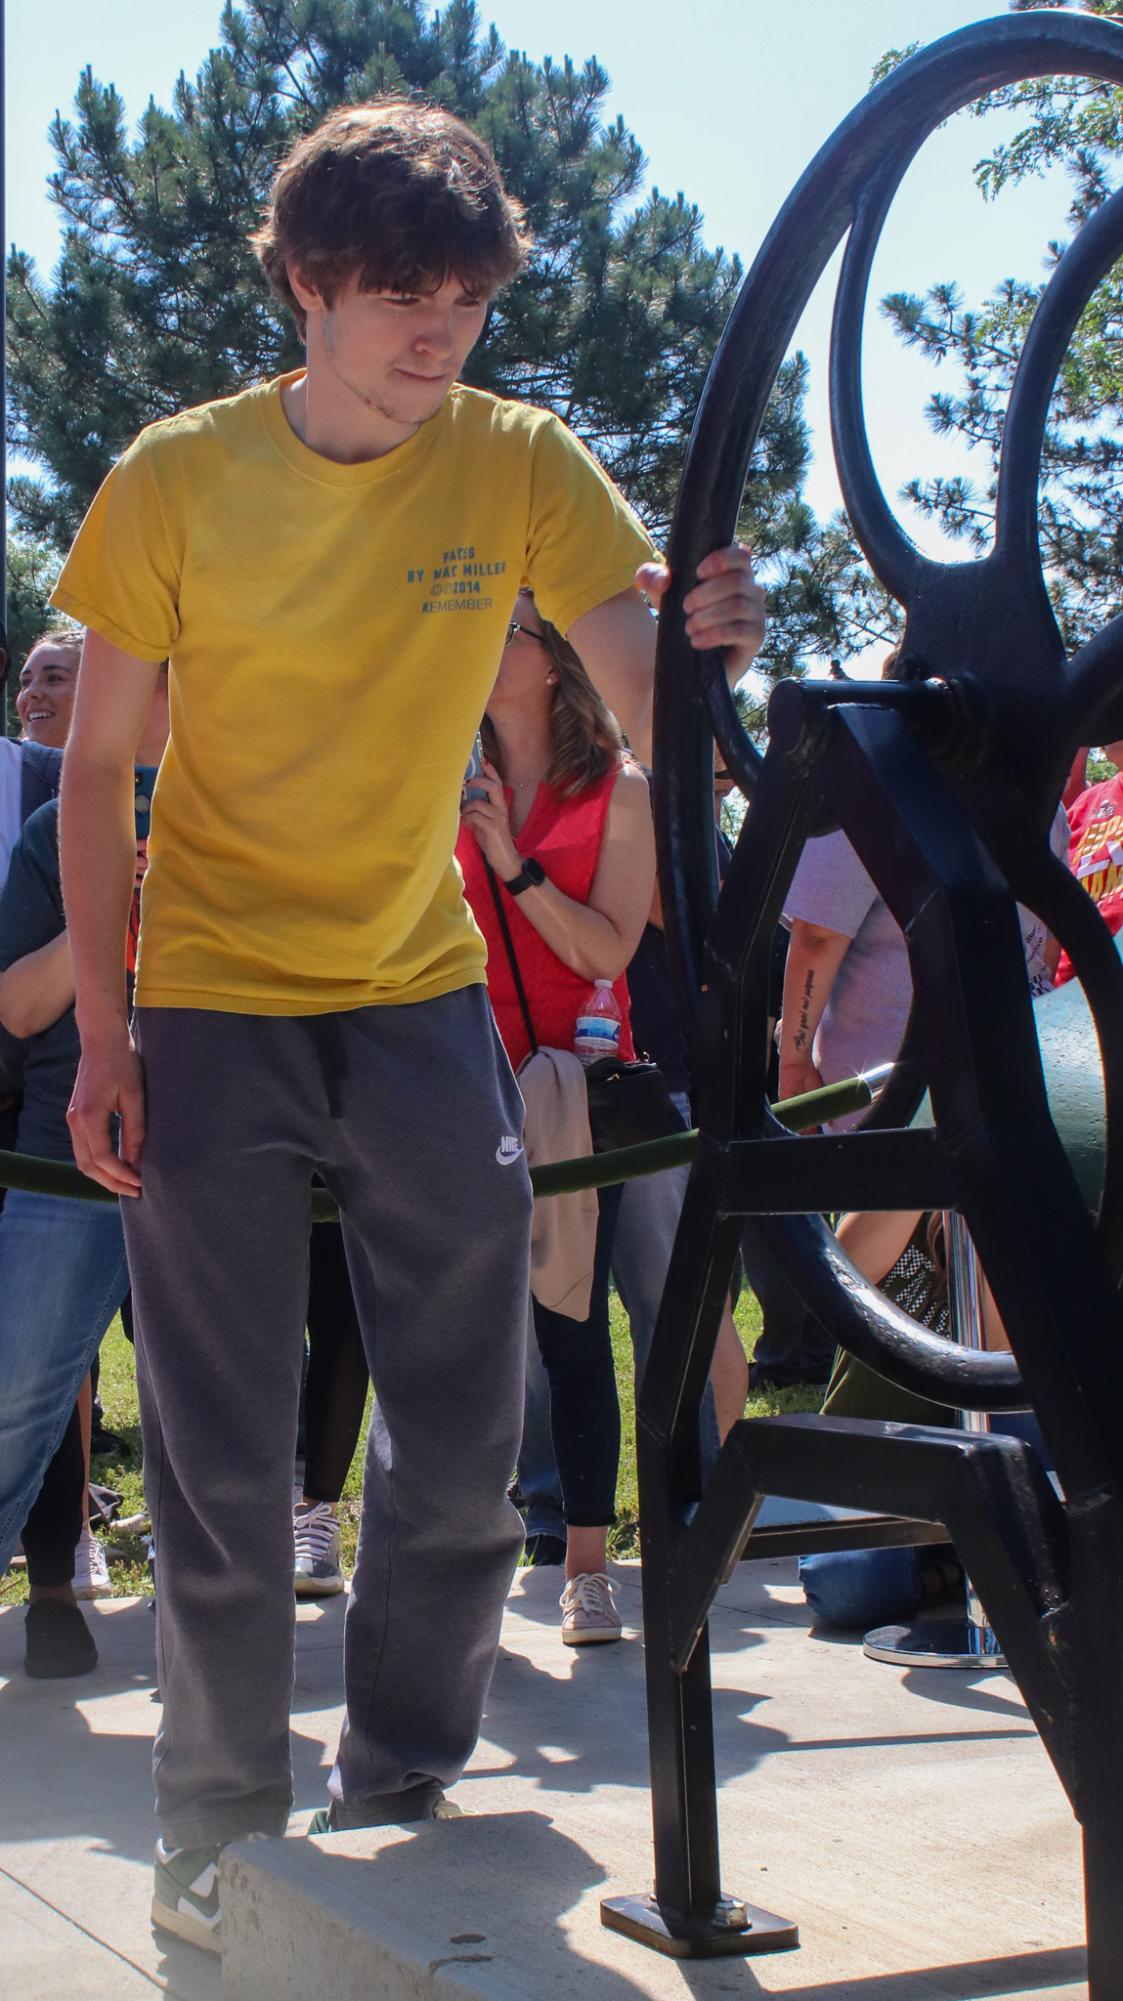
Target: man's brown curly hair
x=399 y=193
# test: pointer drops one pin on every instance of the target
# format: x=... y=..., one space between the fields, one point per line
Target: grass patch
x=119 y=1399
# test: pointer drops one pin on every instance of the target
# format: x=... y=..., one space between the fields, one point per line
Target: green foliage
x=1077 y=125
x=32 y=569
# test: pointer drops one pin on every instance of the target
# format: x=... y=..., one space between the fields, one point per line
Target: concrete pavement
x=909 y=1822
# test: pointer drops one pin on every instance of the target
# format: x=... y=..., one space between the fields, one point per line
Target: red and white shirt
x=1095 y=853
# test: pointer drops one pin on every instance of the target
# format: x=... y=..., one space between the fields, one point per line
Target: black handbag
x=628 y=1102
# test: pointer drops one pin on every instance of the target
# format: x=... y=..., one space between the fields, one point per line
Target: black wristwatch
x=529 y=876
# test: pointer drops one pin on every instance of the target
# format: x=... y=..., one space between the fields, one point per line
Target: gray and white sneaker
x=185 y=1892
x=589 y=1611
x=317 y=1570
x=185 y=1895
x=91 y=1570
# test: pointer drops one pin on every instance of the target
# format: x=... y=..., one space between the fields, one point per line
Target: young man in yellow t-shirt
x=330 y=560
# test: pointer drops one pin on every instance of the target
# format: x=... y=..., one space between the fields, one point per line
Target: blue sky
x=730 y=114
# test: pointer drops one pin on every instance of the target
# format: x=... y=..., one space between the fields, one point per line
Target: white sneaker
x=589 y=1612
x=91 y=1571
x=317 y=1570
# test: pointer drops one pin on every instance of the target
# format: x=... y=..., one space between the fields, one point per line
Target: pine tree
x=32 y=569
x=157 y=303
x=1078 y=125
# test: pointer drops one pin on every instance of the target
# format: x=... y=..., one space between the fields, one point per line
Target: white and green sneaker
x=185 y=1900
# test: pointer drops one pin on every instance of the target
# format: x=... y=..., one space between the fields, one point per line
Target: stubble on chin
x=406 y=408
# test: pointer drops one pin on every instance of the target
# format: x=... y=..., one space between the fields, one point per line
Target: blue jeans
x=641 y=1252
x=861 y=1588
x=62 y=1278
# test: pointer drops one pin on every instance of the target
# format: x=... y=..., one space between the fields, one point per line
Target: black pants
x=335 y=1386
x=584 y=1405
x=55 y=1523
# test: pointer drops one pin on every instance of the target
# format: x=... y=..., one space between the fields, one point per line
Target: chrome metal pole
x=965 y=1295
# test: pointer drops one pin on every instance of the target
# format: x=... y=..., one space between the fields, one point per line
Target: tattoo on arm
x=802 y=1038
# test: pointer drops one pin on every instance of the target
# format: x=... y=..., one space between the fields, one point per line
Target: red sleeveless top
x=565 y=836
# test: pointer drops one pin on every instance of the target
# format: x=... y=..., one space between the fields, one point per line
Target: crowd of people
x=327 y=967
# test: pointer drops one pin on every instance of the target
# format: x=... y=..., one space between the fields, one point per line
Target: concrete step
x=909 y=1822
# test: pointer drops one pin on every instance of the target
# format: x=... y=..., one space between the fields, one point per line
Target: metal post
x=965 y=1286
x=969 y=1642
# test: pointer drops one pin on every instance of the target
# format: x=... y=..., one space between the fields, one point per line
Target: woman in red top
x=565 y=822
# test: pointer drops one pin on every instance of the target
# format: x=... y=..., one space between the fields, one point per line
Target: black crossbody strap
x=511 y=959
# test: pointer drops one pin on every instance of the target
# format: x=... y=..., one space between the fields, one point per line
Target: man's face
x=397 y=353
x=46 y=694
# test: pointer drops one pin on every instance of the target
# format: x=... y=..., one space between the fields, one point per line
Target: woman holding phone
x=560 y=840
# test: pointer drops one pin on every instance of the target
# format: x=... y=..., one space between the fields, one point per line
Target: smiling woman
x=47 y=683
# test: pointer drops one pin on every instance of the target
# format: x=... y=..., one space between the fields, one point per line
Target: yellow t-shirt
x=334 y=633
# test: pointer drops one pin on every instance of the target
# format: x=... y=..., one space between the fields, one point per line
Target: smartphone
x=468 y=789
x=144 y=780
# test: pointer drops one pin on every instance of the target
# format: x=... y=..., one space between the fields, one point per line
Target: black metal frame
x=945 y=781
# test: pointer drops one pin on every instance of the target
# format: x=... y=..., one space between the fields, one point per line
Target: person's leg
x=85 y=1409
x=55 y=1522
x=729 y=1375
x=645 y=1233
x=792 y=1347
x=62 y=1278
x=437 y=1229
x=333 y=1397
x=538 y=1477
x=91 y=1571
x=585 y=1408
x=860 y=1588
x=335 y=1392
x=218 y=1251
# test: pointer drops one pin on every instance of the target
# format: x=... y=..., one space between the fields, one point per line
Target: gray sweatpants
x=402 y=1110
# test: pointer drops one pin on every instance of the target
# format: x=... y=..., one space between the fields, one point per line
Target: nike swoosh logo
x=509 y=1149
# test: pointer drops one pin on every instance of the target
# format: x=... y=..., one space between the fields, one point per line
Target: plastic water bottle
x=599 y=1022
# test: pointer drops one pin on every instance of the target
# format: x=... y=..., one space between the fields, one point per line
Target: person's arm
x=814 y=957
x=98 y=851
x=873 y=1239
x=596 y=939
x=616 y=640
x=36 y=989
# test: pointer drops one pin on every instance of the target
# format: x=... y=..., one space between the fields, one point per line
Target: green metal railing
x=561 y=1177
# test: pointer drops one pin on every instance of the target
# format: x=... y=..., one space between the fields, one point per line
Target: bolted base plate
x=936 y=1643
x=735 y=1928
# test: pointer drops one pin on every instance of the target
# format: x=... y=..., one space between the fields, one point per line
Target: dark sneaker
x=185 y=1896
x=543 y=1549
x=400 y=1810
x=57 y=1641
